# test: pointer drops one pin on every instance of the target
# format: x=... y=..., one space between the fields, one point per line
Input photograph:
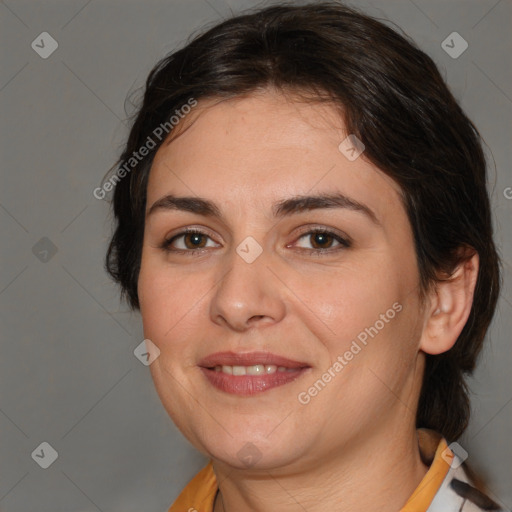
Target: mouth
x=250 y=373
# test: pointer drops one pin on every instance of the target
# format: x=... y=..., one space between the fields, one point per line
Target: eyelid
x=344 y=241
x=169 y=239
x=336 y=233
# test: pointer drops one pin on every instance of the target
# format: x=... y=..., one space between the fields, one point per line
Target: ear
x=449 y=308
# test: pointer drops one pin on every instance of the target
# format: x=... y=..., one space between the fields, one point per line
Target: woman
x=302 y=221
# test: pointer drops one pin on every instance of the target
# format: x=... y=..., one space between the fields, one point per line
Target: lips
x=249 y=359
x=250 y=373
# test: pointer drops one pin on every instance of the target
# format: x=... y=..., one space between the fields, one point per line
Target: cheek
x=345 y=302
x=376 y=356
x=168 y=302
x=367 y=314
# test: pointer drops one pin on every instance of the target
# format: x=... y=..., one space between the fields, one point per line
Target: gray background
x=68 y=375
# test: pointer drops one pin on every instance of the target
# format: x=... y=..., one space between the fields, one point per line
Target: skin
x=354 y=445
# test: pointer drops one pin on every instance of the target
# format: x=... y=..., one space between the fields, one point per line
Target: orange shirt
x=199 y=494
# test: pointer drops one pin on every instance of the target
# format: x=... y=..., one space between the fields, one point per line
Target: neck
x=377 y=474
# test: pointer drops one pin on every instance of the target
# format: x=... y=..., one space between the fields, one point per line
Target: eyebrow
x=282 y=208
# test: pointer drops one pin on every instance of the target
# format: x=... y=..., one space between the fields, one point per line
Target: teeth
x=238 y=370
x=257 y=369
x=227 y=369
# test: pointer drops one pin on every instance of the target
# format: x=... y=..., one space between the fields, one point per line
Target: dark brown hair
x=393 y=98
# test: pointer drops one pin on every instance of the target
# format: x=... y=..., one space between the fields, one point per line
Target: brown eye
x=194 y=240
x=188 y=241
x=321 y=240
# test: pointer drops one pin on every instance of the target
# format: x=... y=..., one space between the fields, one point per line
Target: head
x=262 y=104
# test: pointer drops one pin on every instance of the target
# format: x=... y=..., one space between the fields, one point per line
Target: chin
x=251 y=447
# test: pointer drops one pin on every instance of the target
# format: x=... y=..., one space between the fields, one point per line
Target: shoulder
x=458 y=493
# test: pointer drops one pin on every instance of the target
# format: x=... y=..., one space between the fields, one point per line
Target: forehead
x=262 y=147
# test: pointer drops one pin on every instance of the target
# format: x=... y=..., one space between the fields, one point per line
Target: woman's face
x=256 y=283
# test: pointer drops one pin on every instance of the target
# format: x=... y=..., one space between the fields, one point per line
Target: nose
x=249 y=295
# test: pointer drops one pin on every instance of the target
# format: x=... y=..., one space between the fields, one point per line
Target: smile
x=250 y=373
x=257 y=369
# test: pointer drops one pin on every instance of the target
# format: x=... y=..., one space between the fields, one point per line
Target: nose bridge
x=247 y=293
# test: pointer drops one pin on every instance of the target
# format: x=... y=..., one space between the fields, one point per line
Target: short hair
x=393 y=98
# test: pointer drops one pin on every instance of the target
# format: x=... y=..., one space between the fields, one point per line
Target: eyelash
x=345 y=243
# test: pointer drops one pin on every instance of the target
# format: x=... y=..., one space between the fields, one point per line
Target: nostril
x=256 y=318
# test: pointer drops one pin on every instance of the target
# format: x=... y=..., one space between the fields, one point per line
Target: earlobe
x=449 y=308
